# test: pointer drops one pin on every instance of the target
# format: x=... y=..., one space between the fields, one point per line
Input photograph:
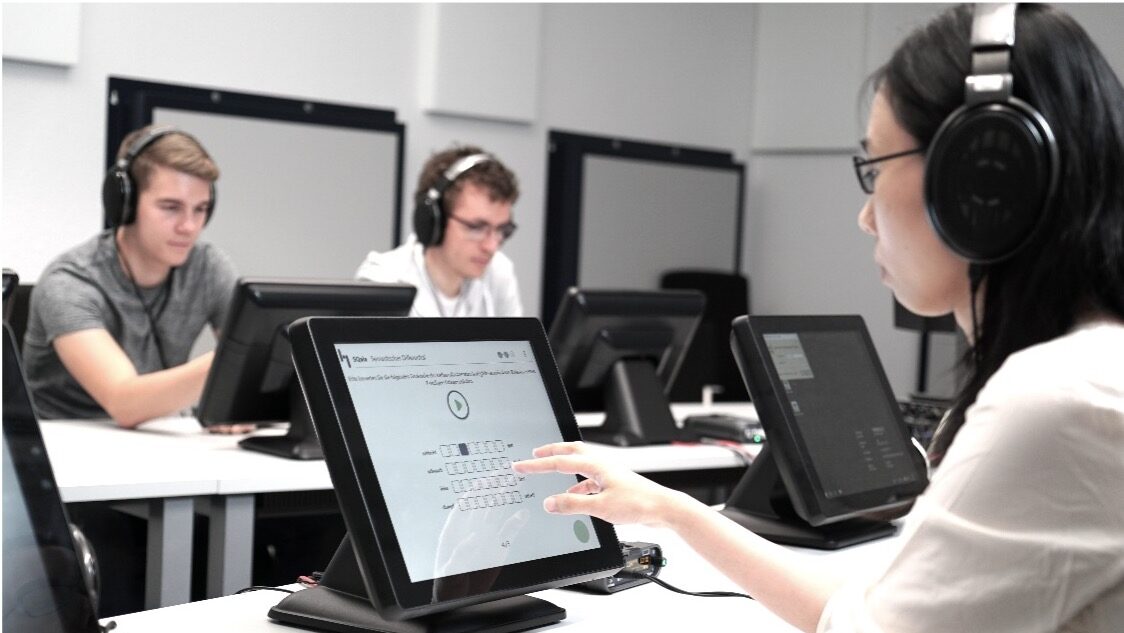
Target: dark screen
x=43 y=588
x=852 y=449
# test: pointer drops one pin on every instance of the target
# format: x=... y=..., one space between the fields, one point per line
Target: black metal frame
x=565 y=175
x=130 y=103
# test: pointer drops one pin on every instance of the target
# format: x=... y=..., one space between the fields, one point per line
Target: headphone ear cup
x=116 y=197
x=429 y=222
x=989 y=175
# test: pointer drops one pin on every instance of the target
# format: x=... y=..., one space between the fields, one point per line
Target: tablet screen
x=442 y=422
x=854 y=448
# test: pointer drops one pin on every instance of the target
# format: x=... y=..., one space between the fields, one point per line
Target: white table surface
x=647 y=607
x=171 y=462
x=94 y=460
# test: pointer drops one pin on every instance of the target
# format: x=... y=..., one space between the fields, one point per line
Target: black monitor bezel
x=40 y=492
x=786 y=442
x=254 y=294
x=362 y=504
x=571 y=337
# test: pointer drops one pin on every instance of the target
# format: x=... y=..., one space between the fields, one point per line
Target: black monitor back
x=618 y=351
x=708 y=361
x=44 y=589
x=252 y=374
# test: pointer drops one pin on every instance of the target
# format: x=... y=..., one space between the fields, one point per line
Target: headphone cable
x=152 y=319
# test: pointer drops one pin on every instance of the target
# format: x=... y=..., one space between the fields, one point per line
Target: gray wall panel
x=292 y=196
x=640 y=218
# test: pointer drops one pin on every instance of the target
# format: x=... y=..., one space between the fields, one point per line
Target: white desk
x=647 y=606
x=169 y=464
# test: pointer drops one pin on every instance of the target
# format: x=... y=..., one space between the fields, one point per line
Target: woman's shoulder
x=1087 y=357
x=1069 y=389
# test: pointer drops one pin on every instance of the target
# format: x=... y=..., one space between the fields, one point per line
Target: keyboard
x=922 y=417
x=723 y=427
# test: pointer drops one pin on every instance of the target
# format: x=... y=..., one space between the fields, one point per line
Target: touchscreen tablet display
x=854 y=447
x=442 y=422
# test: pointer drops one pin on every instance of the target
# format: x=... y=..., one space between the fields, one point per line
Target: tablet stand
x=761 y=504
x=300 y=442
x=637 y=411
x=340 y=604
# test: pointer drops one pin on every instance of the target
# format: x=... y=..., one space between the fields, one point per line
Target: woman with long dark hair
x=1022 y=526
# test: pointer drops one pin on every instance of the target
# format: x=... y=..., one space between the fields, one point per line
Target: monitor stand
x=761 y=504
x=300 y=442
x=340 y=604
x=637 y=411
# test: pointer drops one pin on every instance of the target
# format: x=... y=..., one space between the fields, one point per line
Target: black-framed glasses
x=866 y=173
x=479 y=231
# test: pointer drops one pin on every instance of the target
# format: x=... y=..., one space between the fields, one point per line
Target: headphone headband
x=430 y=216
x=993 y=37
x=454 y=171
x=143 y=142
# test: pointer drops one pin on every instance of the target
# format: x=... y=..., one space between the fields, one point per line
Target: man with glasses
x=461 y=219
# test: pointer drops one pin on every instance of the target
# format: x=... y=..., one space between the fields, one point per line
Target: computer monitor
x=618 y=352
x=837 y=449
x=420 y=420
x=251 y=378
x=44 y=586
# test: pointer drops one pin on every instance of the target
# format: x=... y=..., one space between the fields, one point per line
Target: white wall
x=611 y=69
x=753 y=79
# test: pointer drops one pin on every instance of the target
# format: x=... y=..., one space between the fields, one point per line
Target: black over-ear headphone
x=992 y=166
x=430 y=216
x=119 y=190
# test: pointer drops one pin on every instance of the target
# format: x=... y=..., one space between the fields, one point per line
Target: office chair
x=709 y=360
x=17 y=302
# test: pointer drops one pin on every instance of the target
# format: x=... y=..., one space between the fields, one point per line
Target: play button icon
x=458 y=406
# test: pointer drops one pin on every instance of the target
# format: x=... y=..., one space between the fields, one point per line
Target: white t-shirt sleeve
x=374 y=268
x=1022 y=527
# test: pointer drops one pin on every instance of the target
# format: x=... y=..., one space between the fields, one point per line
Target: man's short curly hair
x=492 y=176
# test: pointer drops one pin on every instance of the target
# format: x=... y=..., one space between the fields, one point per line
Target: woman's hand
x=609 y=492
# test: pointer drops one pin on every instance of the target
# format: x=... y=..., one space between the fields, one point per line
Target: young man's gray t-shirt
x=85 y=288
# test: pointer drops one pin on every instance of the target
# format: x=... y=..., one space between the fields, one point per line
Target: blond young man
x=112 y=320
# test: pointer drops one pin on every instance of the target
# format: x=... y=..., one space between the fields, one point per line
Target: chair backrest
x=709 y=361
x=16 y=307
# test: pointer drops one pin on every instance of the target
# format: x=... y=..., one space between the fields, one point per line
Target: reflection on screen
x=33 y=600
x=855 y=448
x=443 y=421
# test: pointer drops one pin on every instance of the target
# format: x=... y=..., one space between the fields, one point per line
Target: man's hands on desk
x=231 y=429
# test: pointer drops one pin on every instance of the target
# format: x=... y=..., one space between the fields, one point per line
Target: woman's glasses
x=866 y=172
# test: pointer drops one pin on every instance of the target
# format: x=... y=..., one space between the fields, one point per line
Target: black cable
x=263 y=588
x=700 y=594
x=152 y=319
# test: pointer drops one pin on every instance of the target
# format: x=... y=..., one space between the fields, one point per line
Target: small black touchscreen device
x=251 y=377
x=619 y=352
x=838 y=448
x=43 y=584
x=420 y=420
